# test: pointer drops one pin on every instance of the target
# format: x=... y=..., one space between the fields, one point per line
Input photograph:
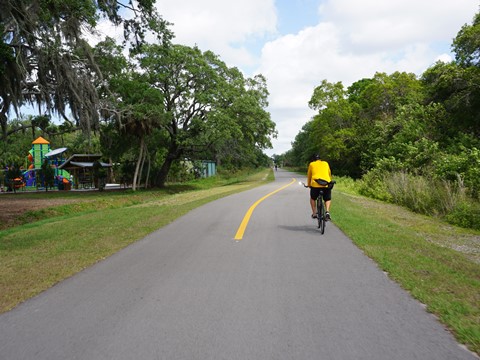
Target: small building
x=209 y=168
x=81 y=167
x=201 y=168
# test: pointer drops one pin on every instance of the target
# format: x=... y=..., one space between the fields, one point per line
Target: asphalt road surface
x=191 y=291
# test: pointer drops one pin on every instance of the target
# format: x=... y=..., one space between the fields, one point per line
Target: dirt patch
x=12 y=208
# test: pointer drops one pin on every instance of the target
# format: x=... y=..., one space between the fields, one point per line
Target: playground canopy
x=55 y=152
x=82 y=161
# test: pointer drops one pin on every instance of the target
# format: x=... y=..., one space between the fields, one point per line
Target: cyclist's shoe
x=314 y=216
x=327 y=216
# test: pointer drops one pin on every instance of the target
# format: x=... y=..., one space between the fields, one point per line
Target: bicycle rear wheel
x=321 y=215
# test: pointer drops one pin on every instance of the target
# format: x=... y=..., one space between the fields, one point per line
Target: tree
x=374 y=105
x=129 y=101
x=45 y=60
x=141 y=114
x=241 y=127
x=189 y=83
x=455 y=85
x=332 y=133
x=351 y=125
x=302 y=147
x=326 y=94
x=202 y=102
x=456 y=88
x=380 y=97
x=466 y=44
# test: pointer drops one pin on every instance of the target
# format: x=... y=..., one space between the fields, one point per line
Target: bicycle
x=321 y=218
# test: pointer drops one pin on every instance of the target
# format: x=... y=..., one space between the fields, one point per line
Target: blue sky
x=296 y=44
x=295 y=15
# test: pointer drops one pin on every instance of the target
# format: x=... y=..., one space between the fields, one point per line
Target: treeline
x=147 y=103
x=411 y=140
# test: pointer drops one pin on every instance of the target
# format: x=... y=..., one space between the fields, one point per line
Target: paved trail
x=190 y=291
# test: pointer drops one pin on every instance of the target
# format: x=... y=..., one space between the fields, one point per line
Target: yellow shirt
x=318 y=170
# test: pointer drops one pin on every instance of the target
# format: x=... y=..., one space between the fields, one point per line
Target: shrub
x=346 y=184
x=465 y=214
x=373 y=185
x=465 y=165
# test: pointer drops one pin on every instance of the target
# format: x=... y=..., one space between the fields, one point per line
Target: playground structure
x=40 y=152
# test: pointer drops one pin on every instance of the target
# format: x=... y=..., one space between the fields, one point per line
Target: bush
x=465 y=214
x=346 y=184
x=465 y=165
x=373 y=185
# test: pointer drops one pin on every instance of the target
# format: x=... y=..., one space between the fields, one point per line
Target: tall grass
x=424 y=196
x=444 y=199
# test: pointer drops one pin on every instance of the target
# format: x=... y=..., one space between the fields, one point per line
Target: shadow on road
x=303 y=228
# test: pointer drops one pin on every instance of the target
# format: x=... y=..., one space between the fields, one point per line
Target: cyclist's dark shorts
x=327 y=193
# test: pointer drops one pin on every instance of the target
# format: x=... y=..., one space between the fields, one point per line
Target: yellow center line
x=246 y=219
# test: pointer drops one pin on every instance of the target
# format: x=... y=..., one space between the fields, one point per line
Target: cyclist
x=319 y=169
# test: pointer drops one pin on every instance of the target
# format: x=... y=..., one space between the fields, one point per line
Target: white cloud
x=446 y=58
x=377 y=24
x=221 y=26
